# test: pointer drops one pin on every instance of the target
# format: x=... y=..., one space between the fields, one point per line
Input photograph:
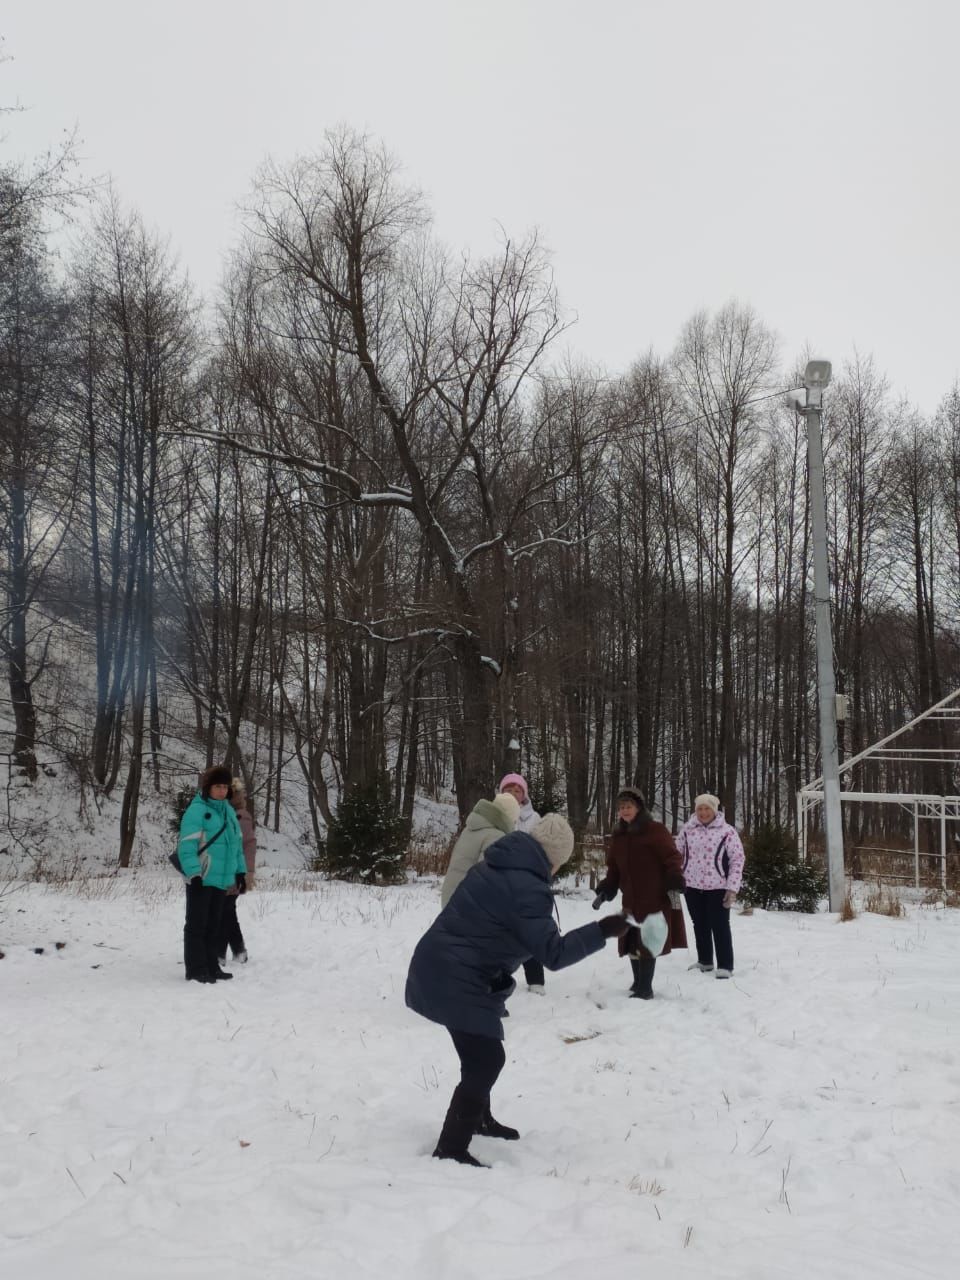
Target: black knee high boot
x=635 y=967
x=643 y=986
x=487 y=1127
x=463 y=1116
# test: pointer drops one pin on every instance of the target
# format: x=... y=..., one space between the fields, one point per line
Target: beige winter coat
x=489 y=820
x=248 y=833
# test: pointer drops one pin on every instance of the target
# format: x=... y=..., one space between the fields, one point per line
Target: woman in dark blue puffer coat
x=460 y=973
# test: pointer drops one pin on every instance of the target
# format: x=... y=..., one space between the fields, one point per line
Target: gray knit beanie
x=556 y=837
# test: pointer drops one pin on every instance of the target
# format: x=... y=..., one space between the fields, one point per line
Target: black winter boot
x=644 y=984
x=635 y=966
x=487 y=1127
x=219 y=973
x=459 y=1126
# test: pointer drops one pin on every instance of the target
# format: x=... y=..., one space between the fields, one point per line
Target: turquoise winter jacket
x=219 y=860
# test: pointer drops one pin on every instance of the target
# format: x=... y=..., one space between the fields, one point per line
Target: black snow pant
x=533 y=972
x=201 y=931
x=711 y=926
x=231 y=935
x=481 y=1061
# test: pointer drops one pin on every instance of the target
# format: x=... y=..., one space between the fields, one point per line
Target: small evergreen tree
x=366 y=839
x=775 y=878
x=181 y=802
x=546 y=797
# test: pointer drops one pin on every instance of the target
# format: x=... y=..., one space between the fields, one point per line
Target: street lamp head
x=816 y=375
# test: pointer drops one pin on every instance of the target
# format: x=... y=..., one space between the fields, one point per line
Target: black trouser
x=201 y=931
x=533 y=972
x=481 y=1061
x=711 y=926
x=231 y=934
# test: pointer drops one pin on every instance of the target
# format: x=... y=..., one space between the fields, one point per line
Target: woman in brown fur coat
x=644 y=866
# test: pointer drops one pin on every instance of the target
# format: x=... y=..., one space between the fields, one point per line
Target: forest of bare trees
x=358 y=516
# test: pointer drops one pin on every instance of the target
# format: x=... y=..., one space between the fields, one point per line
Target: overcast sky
x=674 y=154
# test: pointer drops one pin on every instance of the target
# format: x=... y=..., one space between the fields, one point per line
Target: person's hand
x=729 y=899
x=613 y=926
x=196 y=882
x=676 y=899
x=603 y=895
x=241 y=882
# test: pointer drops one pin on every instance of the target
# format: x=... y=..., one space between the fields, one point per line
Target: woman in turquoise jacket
x=211 y=856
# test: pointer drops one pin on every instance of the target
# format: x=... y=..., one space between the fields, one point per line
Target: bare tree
x=35 y=488
x=724 y=366
x=445 y=356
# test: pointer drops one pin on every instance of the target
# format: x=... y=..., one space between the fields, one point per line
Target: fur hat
x=556 y=837
x=237 y=785
x=709 y=800
x=515 y=780
x=508 y=806
x=634 y=794
x=211 y=777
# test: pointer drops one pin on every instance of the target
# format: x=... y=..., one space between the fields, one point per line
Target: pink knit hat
x=515 y=780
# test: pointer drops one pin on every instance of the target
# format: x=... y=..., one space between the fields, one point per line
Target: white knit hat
x=556 y=837
x=708 y=800
x=509 y=806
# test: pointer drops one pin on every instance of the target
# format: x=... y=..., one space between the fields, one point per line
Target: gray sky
x=674 y=154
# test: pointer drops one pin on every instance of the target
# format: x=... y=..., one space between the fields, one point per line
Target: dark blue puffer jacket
x=501 y=915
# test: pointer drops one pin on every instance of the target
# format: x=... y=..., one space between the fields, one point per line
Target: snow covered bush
x=775 y=878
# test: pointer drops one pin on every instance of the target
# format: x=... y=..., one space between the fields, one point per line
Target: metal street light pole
x=815 y=378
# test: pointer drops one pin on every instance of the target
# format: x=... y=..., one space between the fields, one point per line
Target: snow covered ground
x=802 y=1120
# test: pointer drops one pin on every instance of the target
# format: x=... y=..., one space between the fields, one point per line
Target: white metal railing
x=942 y=809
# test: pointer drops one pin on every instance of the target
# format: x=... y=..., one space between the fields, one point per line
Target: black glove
x=613 y=926
x=241 y=882
x=502 y=983
x=603 y=895
x=196 y=882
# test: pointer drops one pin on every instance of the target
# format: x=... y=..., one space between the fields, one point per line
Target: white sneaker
x=537 y=989
x=724 y=973
x=241 y=957
x=704 y=968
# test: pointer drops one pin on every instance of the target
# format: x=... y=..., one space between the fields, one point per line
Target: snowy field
x=802 y=1120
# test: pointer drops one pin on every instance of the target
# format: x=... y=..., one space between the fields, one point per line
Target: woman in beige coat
x=231 y=935
x=487 y=821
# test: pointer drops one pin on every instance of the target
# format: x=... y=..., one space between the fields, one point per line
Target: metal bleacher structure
x=926 y=748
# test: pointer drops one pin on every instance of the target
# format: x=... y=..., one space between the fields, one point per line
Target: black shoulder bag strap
x=175 y=856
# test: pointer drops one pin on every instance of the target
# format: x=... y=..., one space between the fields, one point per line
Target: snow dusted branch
x=390 y=498
x=342 y=480
x=435 y=633
x=478 y=550
x=533 y=547
x=455 y=560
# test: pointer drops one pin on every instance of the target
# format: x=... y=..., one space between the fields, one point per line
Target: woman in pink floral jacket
x=713 y=860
